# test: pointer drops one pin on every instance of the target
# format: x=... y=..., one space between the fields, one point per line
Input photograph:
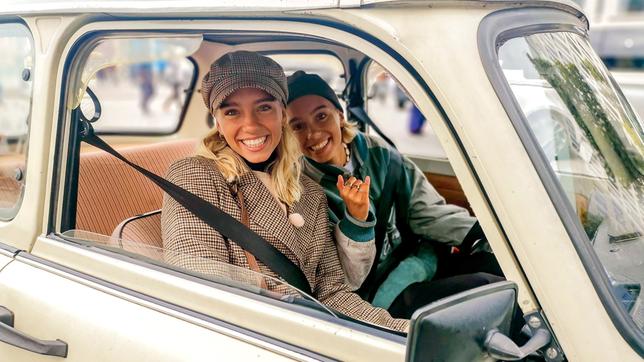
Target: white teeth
x=256 y=142
x=320 y=145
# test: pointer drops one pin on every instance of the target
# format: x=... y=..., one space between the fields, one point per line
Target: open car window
x=391 y=109
x=110 y=193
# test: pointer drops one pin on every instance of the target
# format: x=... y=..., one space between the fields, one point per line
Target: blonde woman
x=249 y=165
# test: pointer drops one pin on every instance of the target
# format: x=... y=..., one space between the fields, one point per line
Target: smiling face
x=251 y=122
x=316 y=123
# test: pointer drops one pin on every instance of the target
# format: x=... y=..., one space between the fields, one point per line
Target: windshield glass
x=593 y=143
x=222 y=273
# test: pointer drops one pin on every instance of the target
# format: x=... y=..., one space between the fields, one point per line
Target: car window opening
x=120 y=210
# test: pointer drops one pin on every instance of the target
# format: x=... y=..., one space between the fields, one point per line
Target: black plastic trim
x=68 y=216
x=70 y=204
x=449 y=302
x=493 y=31
x=175 y=307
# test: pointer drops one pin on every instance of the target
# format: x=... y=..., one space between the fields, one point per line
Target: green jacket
x=427 y=214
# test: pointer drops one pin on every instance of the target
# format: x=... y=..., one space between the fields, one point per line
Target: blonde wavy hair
x=285 y=173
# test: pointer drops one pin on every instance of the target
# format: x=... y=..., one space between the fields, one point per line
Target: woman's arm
x=427 y=213
x=356 y=247
x=330 y=287
x=189 y=242
x=354 y=233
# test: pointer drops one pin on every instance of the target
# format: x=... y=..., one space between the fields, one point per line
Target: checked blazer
x=192 y=244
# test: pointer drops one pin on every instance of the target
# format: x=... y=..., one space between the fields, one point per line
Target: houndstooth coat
x=192 y=244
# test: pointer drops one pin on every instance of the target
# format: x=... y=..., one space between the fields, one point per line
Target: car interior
x=142 y=95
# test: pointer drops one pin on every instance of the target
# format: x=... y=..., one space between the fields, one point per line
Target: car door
x=573 y=274
x=66 y=294
x=50 y=310
x=70 y=288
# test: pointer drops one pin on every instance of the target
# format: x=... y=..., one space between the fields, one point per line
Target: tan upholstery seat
x=140 y=234
x=109 y=191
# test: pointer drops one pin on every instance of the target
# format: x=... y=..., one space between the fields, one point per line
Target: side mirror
x=457 y=328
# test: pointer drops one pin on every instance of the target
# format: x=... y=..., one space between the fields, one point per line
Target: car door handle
x=14 y=337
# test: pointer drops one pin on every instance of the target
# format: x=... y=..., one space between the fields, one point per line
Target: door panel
x=98 y=326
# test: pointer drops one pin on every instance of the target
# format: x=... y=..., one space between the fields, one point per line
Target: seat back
x=140 y=234
x=109 y=191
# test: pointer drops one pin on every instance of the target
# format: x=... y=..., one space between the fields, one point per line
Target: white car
x=537 y=141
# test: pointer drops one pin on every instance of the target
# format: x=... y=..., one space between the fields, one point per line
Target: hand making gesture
x=355 y=194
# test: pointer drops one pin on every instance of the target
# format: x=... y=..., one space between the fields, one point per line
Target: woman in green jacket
x=352 y=168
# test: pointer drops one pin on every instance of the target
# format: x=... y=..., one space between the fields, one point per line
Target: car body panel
x=295 y=329
x=205 y=6
x=535 y=244
x=374 y=26
x=527 y=240
x=113 y=328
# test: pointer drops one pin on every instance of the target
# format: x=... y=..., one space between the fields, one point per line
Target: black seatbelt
x=352 y=95
x=385 y=205
x=362 y=116
x=222 y=222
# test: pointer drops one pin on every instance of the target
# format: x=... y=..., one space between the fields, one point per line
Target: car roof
x=139 y=7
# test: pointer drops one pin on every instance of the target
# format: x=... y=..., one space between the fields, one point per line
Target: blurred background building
x=617 y=34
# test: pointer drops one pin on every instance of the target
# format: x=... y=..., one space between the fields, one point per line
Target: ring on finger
x=356 y=186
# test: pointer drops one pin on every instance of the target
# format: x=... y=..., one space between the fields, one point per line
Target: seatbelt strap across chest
x=216 y=218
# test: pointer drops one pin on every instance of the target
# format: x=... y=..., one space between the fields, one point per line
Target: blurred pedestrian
x=146 y=84
x=416 y=120
x=380 y=88
x=173 y=78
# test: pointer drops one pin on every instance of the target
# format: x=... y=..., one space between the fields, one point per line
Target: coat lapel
x=265 y=211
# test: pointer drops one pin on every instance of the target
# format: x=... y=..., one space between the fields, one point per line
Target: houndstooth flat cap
x=242 y=69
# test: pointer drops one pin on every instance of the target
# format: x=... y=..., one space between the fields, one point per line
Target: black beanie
x=301 y=84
